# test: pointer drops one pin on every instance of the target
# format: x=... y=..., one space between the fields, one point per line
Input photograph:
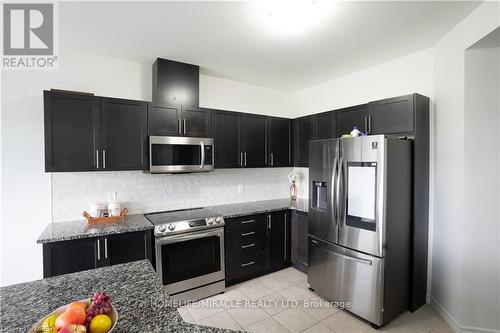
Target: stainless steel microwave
x=177 y=154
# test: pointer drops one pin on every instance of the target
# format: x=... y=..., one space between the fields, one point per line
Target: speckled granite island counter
x=63 y=231
x=135 y=290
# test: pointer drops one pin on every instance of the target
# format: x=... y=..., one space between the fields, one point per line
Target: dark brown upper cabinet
x=175 y=83
x=324 y=125
x=226 y=144
x=280 y=142
x=89 y=133
x=72 y=122
x=123 y=134
x=392 y=115
x=164 y=120
x=253 y=141
x=303 y=129
x=195 y=122
x=174 y=120
x=356 y=116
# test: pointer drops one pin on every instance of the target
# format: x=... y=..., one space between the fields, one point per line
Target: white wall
x=225 y=94
x=482 y=116
x=406 y=75
x=26 y=189
x=452 y=259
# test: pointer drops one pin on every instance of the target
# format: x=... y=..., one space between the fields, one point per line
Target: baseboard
x=452 y=322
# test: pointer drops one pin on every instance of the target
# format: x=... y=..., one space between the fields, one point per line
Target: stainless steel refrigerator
x=359 y=224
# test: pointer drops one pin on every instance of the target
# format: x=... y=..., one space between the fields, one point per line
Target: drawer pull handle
x=248 y=221
x=248 y=264
x=247 y=246
x=248 y=233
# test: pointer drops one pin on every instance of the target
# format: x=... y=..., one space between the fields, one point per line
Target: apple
x=74 y=328
x=71 y=316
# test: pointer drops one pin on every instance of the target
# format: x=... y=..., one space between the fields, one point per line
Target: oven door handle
x=188 y=236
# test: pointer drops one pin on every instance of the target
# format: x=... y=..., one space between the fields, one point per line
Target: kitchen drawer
x=248 y=266
x=247 y=223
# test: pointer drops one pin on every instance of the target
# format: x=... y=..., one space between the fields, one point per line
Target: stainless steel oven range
x=189 y=247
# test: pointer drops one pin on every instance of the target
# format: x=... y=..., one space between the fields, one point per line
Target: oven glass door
x=192 y=259
x=180 y=154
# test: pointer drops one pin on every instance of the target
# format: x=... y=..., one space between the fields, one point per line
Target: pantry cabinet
x=88 y=253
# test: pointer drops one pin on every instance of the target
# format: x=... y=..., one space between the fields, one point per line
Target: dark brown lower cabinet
x=256 y=245
x=88 y=253
x=300 y=225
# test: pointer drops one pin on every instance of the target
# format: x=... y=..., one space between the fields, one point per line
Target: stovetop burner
x=184 y=220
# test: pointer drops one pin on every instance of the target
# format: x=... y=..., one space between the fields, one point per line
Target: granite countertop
x=255 y=207
x=136 y=292
x=61 y=231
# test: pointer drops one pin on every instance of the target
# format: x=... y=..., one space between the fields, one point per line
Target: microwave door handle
x=202 y=146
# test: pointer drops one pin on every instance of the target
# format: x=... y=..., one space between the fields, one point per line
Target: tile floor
x=278 y=302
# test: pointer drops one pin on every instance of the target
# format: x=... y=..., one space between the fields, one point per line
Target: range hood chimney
x=175 y=83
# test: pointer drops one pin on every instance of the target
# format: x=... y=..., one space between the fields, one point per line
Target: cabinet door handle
x=97 y=158
x=241 y=159
x=269 y=222
x=369 y=124
x=247 y=221
x=184 y=126
x=106 y=248
x=247 y=246
x=272 y=159
x=366 y=124
x=104 y=159
x=179 y=127
x=284 y=247
x=245 y=155
x=98 y=249
x=248 y=233
x=248 y=264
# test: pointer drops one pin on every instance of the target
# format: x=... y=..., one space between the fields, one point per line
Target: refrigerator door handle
x=334 y=191
x=340 y=195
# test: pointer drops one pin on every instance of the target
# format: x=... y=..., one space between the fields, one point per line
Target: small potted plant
x=292 y=176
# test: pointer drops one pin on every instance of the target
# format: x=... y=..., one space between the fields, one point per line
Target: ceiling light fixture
x=292 y=17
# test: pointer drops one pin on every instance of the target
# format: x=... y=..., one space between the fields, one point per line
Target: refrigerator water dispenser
x=319 y=195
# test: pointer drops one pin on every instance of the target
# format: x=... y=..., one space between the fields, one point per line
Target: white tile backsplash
x=142 y=192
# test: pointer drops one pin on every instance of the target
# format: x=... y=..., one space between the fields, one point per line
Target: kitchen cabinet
x=253 y=141
x=246 y=247
x=175 y=83
x=164 y=120
x=123 y=134
x=71 y=122
x=172 y=120
x=280 y=142
x=226 y=145
x=89 y=133
x=195 y=122
x=324 y=125
x=88 y=253
x=356 y=116
x=299 y=230
x=392 y=115
x=303 y=133
x=279 y=239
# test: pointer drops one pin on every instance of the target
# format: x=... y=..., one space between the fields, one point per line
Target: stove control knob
x=218 y=219
x=162 y=228
x=171 y=227
x=210 y=221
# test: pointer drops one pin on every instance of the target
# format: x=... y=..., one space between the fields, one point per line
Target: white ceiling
x=234 y=40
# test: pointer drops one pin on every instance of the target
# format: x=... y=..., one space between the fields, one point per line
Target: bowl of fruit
x=91 y=315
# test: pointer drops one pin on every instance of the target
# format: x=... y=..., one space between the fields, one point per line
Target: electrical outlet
x=240 y=188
